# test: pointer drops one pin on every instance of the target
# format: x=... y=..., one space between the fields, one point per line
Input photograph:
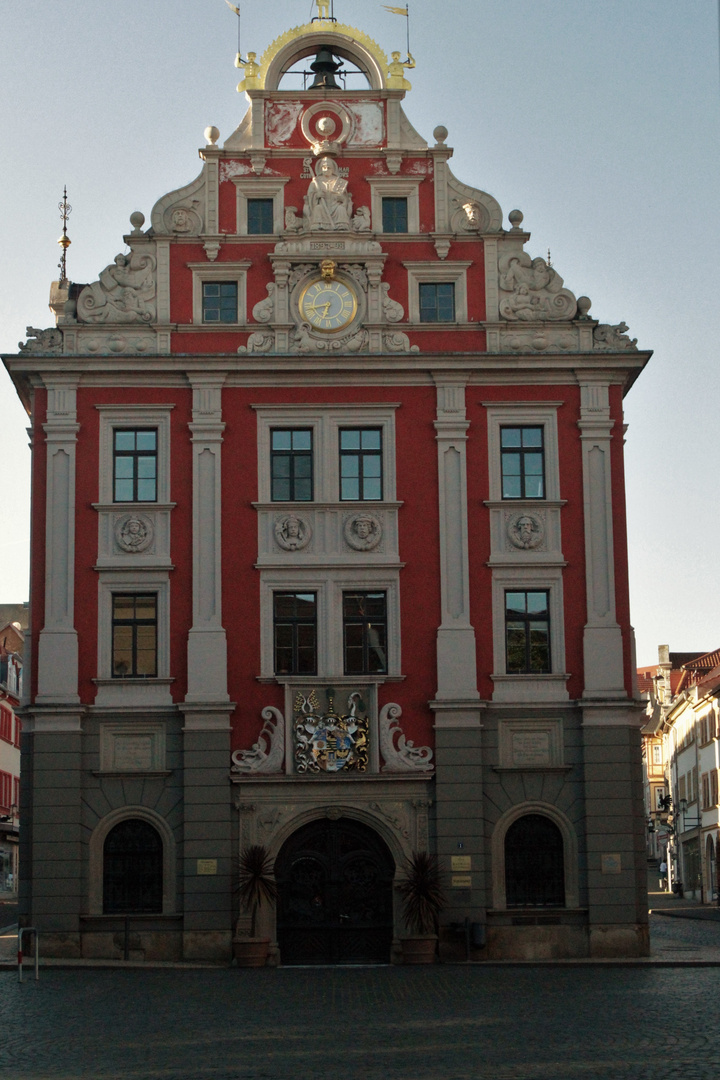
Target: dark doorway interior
x=133 y=869
x=534 y=863
x=335 y=895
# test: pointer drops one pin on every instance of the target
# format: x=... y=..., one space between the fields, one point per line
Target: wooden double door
x=335 y=902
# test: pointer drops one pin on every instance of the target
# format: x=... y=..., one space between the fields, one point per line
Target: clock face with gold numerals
x=328 y=305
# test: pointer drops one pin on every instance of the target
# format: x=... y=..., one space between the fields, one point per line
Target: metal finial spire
x=64 y=241
x=549 y=260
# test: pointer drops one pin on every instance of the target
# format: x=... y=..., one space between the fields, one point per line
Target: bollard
x=28 y=930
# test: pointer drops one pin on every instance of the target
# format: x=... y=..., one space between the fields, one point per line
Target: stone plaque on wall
x=530 y=744
x=132 y=747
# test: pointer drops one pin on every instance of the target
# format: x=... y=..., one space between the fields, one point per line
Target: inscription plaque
x=531 y=748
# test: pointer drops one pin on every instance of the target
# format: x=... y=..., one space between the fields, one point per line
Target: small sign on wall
x=206 y=866
x=463 y=881
x=461 y=862
x=611 y=864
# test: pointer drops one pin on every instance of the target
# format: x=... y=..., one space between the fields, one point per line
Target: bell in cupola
x=324 y=67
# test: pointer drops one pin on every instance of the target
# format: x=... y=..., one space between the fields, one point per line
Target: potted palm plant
x=256 y=885
x=423 y=899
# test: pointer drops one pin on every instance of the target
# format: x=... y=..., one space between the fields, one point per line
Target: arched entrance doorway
x=334 y=895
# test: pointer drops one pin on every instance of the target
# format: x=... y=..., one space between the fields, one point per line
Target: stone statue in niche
x=124 y=293
x=134 y=534
x=525 y=531
x=608 y=338
x=292 y=533
x=535 y=288
x=363 y=532
x=328 y=203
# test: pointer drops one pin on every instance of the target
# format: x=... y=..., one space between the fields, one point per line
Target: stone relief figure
x=265 y=309
x=536 y=290
x=134 y=534
x=363 y=532
x=328 y=203
x=125 y=292
x=356 y=271
x=184 y=219
x=292 y=222
x=392 y=310
x=403 y=756
x=525 y=531
x=267 y=754
x=361 y=219
x=292 y=533
x=613 y=338
x=397 y=341
x=470 y=216
x=258 y=342
x=42 y=341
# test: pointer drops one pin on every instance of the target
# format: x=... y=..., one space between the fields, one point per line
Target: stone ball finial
x=137 y=220
x=515 y=218
x=212 y=134
x=440 y=134
x=584 y=303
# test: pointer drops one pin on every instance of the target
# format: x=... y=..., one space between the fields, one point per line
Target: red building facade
x=329 y=555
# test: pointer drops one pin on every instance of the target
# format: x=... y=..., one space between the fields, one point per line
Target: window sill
x=530 y=689
x=132 y=774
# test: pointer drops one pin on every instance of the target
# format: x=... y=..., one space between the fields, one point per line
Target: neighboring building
x=12 y=640
x=329 y=555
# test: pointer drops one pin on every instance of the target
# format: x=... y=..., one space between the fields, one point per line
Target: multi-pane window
x=365 y=633
x=291 y=465
x=361 y=463
x=437 y=301
x=295 y=628
x=705 y=782
x=134 y=635
x=259 y=216
x=657 y=754
x=6 y=719
x=220 y=302
x=395 y=215
x=523 y=462
x=527 y=632
x=135 y=465
x=714 y=787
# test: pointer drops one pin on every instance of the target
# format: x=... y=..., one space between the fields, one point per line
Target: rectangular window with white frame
x=365 y=633
x=134 y=635
x=523 y=451
x=295 y=633
x=395 y=204
x=134 y=454
x=528 y=634
x=303 y=449
x=219 y=293
x=259 y=204
x=437 y=292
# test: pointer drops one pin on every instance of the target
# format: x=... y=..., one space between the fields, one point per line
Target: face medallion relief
x=525 y=531
x=363 y=532
x=292 y=533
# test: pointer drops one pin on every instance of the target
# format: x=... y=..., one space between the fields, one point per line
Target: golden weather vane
x=64 y=241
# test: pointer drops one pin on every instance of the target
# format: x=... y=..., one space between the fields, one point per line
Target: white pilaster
x=207 y=646
x=58 y=644
x=602 y=639
x=456 y=650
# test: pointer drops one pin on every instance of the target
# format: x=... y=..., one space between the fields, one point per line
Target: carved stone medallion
x=134 y=533
x=525 y=531
x=363 y=532
x=292 y=533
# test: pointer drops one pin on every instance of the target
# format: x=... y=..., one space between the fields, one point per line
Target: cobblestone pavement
x=440 y=1023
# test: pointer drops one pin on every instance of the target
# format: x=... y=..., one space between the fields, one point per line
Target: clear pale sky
x=597 y=118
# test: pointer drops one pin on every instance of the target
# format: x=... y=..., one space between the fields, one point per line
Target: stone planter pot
x=420 y=949
x=251 y=952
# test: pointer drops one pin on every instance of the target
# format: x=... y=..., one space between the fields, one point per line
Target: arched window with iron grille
x=534 y=863
x=133 y=869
